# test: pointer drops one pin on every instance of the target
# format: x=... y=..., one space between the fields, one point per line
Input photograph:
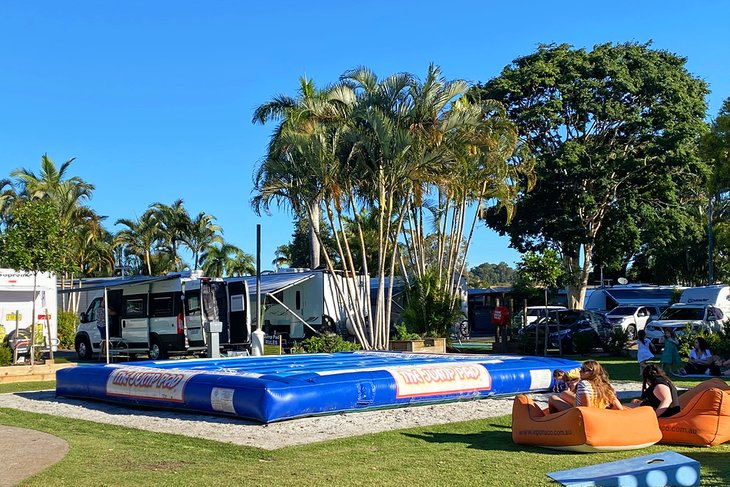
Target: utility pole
x=710 y=244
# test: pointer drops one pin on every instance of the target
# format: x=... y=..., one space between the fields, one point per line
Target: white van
x=704 y=308
x=16 y=308
x=166 y=316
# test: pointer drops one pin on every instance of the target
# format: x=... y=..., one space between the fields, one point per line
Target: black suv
x=574 y=322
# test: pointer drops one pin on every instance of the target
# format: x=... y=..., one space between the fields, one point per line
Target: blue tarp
x=274 y=388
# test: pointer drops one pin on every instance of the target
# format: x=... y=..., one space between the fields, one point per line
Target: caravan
x=300 y=303
x=163 y=316
x=17 y=300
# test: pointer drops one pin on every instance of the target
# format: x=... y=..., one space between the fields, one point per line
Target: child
x=564 y=384
x=564 y=380
x=644 y=352
x=670 y=353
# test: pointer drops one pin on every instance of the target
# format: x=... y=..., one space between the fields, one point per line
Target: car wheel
x=156 y=350
x=83 y=347
x=631 y=332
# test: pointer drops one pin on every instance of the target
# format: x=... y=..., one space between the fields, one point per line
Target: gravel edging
x=275 y=435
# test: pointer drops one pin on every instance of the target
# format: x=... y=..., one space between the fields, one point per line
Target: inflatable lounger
x=277 y=387
x=704 y=417
x=583 y=429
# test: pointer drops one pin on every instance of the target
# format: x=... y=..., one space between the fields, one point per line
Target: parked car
x=534 y=313
x=568 y=324
x=632 y=318
x=679 y=315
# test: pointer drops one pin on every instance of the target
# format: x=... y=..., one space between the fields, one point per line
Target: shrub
x=328 y=344
x=429 y=310
x=67 y=323
x=6 y=355
x=617 y=341
x=402 y=333
x=583 y=343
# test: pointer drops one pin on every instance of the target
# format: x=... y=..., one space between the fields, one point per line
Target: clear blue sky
x=154 y=98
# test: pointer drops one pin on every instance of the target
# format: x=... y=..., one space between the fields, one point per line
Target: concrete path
x=26 y=452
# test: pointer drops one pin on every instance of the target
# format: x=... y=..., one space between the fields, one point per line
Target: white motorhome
x=163 y=316
x=300 y=303
x=608 y=298
x=17 y=299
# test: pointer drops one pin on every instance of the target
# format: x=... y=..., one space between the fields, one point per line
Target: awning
x=117 y=282
x=273 y=283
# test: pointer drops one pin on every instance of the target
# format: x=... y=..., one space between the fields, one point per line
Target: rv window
x=237 y=303
x=161 y=306
x=299 y=300
x=193 y=304
x=134 y=307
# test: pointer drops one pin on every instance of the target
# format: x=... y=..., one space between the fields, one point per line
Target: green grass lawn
x=469 y=453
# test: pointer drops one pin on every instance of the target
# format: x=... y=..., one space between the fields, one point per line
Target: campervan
x=163 y=316
x=18 y=297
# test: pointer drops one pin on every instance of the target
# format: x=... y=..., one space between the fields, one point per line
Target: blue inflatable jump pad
x=277 y=387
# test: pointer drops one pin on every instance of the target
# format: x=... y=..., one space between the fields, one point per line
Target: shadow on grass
x=488 y=440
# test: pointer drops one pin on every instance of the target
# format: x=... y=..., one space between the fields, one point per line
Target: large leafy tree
x=715 y=149
x=34 y=241
x=614 y=132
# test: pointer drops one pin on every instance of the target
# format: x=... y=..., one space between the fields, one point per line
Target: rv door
x=215 y=305
x=134 y=321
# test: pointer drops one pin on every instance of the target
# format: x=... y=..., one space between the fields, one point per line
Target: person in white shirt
x=699 y=359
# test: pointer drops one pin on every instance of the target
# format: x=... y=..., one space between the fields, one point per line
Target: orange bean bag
x=704 y=418
x=583 y=429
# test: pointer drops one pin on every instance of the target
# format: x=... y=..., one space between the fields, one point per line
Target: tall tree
x=203 y=233
x=613 y=131
x=140 y=237
x=225 y=259
x=174 y=223
x=301 y=115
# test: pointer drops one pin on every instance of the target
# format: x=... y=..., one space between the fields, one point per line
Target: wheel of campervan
x=156 y=350
x=83 y=348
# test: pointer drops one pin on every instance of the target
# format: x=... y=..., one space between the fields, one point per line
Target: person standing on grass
x=645 y=350
x=670 y=352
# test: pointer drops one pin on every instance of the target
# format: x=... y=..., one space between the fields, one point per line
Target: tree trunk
x=577 y=286
x=314 y=247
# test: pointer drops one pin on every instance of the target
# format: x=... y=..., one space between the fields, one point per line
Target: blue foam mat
x=657 y=470
x=274 y=388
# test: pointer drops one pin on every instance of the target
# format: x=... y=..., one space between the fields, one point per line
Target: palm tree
x=226 y=259
x=174 y=222
x=8 y=196
x=201 y=235
x=304 y=115
x=140 y=237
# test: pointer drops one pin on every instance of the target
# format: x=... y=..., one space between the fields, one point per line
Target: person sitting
x=658 y=392
x=699 y=359
x=565 y=385
x=594 y=388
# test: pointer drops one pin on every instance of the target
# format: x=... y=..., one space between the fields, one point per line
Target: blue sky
x=154 y=98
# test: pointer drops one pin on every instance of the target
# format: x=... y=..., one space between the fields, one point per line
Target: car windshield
x=622 y=311
x=568 y=316
x=683 y=314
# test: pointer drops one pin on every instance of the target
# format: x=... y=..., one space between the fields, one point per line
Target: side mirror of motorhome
x=82 y=317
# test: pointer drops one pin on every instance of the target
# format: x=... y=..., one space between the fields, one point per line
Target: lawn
x=477 y=452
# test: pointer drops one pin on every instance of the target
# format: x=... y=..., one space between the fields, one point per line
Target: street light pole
x=710 y=244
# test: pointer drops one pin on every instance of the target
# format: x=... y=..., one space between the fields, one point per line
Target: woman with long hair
x=658 y=392
x=594 y=388
x=699 y=358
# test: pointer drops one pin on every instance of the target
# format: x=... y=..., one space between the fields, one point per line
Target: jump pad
x=274 y=388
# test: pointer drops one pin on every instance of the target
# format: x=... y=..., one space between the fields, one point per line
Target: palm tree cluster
x=147 y=245
x=394 y=165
